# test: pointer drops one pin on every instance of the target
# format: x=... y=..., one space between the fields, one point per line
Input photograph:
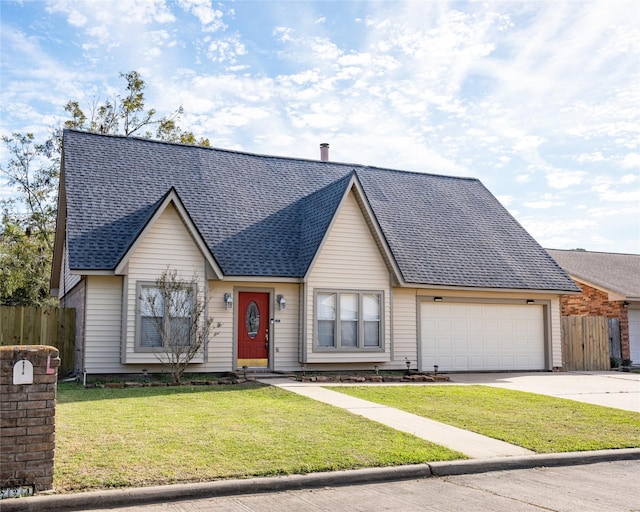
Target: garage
x=466 y=336
x=634 y=335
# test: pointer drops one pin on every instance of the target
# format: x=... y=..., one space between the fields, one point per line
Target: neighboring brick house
x=610 y=284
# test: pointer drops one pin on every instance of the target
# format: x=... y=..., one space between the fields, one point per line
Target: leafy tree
x=32 y=170
x=174 y=321
x=28 y=220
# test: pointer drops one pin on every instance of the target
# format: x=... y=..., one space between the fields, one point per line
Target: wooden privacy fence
x=41 y=326
x=614 y=338
x=585 y=343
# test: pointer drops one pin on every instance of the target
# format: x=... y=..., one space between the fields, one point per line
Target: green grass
x=109 y=438
x=540 y=423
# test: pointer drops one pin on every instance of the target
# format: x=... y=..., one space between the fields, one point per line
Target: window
x=348 y=320
x=164 y=312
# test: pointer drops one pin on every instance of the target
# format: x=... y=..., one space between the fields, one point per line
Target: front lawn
x=158 y=435
x=540 y=423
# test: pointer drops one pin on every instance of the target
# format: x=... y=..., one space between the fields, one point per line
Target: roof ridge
x=263 y=155
x=594 y=252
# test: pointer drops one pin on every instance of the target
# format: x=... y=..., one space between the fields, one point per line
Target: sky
x=539 y=100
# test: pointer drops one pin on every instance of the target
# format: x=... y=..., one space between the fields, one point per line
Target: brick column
x=27 y=415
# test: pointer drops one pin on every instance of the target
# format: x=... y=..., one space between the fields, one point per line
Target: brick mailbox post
x=28 y=378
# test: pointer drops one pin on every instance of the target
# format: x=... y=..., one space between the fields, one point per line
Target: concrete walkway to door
x=469 y=443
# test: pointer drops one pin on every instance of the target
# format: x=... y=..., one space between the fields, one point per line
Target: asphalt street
x=602 y=487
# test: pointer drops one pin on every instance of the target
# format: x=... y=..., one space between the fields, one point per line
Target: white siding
x=634 y=335
x=405 y=327
x=349 y=259
x=555 y=332
x=103 y=324
x=168 y=244
x=68 y=280
x=284 y=335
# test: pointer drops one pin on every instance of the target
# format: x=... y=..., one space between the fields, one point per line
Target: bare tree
x=174 y=321
x=126 y=115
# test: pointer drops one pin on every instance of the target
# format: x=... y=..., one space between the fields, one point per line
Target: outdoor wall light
x=530 y=301
x=282 y=304
x=625 y=304
x=437 y=299
x=228 y=300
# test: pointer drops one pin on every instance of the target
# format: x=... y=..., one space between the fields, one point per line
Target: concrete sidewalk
x=469 y=443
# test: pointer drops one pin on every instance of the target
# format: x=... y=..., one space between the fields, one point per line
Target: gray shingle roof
x=616 y=272
x=266 y=216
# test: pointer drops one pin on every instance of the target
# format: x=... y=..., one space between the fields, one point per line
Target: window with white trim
x=165 y=312
x=348 y=320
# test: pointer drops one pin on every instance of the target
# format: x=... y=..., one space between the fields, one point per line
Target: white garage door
x=634 y=335
x=476 y=337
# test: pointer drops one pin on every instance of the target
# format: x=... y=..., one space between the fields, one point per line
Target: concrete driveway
x=611 y=389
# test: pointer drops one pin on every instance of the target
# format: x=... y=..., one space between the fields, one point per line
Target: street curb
x=149 y=495
x=473 y=466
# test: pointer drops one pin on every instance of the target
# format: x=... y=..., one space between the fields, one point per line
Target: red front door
x=253 y=329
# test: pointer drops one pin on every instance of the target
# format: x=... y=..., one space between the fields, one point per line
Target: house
x=315 y=263
x=609 y=286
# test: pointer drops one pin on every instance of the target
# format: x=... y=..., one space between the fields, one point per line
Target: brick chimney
x=324 y=152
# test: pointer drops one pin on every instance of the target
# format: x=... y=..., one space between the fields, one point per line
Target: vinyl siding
x=69 y=280
x=556 y=340
x=103 y=324
x=349 y=259
x=283 y=335
x=405 y=328
x=167 y=244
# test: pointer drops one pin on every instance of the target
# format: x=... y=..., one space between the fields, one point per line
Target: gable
x=167 y=241
x=349 y=256
x=177 y=229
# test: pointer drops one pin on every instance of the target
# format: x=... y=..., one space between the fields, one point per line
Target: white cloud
x=114 y=12
x=543 y=204
x=631 y=161
x=506 y=200
x=564 y=179
x=527 y=143
x=621 y=196
x=210 y=18
x=609 y=189
x=76 y=19
x=590 y=157
x=226 y=50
